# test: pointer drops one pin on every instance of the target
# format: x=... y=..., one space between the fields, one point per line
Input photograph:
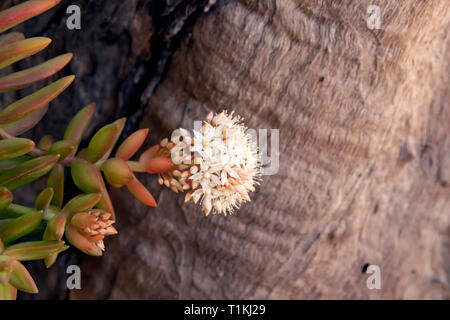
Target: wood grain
x=364 y=167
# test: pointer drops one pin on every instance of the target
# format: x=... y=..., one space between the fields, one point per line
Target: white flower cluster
x=225 y=165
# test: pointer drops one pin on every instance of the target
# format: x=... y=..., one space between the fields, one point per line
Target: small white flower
x=226 y=164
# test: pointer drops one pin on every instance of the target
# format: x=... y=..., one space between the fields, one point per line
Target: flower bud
x=149 y=153
x=87 y=230
x=159 y=165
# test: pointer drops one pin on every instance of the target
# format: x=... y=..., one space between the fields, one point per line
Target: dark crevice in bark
x=172 y=22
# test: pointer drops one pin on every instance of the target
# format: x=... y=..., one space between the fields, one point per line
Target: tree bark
x=364 y=173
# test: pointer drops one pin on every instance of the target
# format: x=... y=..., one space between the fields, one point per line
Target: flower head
x=221 y=165
x=87 y=230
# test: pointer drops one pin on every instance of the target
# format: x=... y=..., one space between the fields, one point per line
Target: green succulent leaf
x=45 y=143
x=14 y=211
x=20 y=227
x=6 y=198
x=10 y=38
x=7 y=292
x=27 y=172
x=34 y=250
x=117 y=171
x=78 y=125
x=35 y=101
x=81 y=203
x=103 y=142
x=15 y=147
x=62 y=148
x=19 y=50
x=85 y=176
x=44 y=198
x=26 y=123
x=26 y=77
x=24 y=11
x=12 y=163
x=105 y=202
x=21 y=278
x=56 y=182
x=5 y=269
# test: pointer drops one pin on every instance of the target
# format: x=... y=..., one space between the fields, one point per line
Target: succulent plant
x=84 y=220
x=219 y=170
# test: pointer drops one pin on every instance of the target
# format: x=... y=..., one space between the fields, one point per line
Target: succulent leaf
x=56 y=182
x=7 y=292
x=19 y=227
x=78 y=125
x=12 y=163
x=10 y=38
x=44 y=198
x=15 y=147
x=26 y=123
x=81 y=203
x=103 y=141
x=85 y=176
x=26 y=77
x=5 y=198
x=34 y=250
x=141 y=193
x=14 y=211
x=24 y=11
x=62 y=148
x=27 y=172
x=35 y=101
x=45 y=143
x=20 y=50
x=5 y=269
x=131 y=145
x=117 y=172
x=105 y=202
x=21 y=278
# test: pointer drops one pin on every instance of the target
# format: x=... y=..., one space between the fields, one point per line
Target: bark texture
x=364 y=149
x=364 y=167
